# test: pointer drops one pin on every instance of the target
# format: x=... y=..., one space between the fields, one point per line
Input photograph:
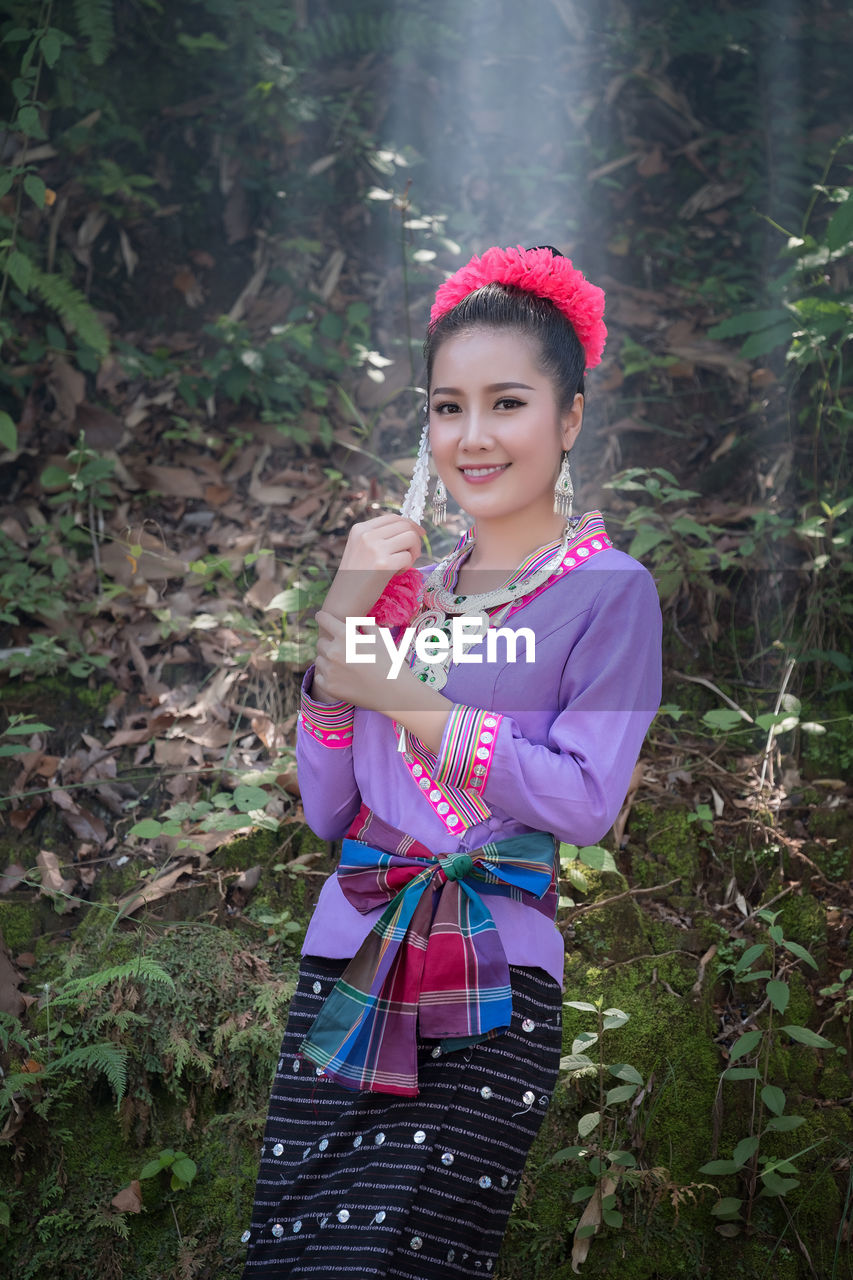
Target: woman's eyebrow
x=495 y=386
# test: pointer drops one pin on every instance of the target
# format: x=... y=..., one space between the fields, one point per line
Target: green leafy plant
x=86 y=482
x=20 y=726
x=678 y=549
x=51 y=1060
x=21 y=269
x=572 y=862
x=177 y=1164
x=839 y=994
x=601 y=1153
x=761 y=1173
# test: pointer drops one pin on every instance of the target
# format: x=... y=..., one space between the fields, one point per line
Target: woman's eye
x=511 y=402
x=448 y=404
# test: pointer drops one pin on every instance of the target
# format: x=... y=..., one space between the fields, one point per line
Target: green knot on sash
x=456 y=865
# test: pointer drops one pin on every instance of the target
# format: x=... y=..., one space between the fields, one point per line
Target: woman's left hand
x=365 y=684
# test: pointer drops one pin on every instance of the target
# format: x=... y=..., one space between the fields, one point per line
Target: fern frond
x=185 y=1052
x=273 y=997
x=140 y=970
x=72 y=308
x=121 y=1020
x=106 y=1057
x=98 y=1220
x=95 y=24
x=345 y=35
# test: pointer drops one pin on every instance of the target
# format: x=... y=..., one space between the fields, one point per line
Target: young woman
x=424 y=1038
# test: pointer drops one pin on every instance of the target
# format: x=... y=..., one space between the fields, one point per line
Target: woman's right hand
x=375 y=550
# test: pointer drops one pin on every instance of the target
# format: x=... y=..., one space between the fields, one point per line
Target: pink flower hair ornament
x=537 y=271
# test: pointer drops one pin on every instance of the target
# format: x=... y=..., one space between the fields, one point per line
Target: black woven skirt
x=370 y=1184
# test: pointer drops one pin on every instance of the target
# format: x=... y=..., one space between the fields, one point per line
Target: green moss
x=824 y=821
x=200 y=1059
x=664 y=845
x=609 y=933
x=18 y=925
x=803 y=920
x=45 y=695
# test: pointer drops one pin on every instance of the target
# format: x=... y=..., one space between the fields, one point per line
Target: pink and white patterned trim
x=456 y=808
x=467 y=748
x=330 y=723
x=575 y=556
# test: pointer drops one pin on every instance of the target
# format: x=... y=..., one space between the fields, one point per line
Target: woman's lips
x=485 y=474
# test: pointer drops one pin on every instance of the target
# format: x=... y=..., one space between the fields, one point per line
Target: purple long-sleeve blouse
x=547 y=745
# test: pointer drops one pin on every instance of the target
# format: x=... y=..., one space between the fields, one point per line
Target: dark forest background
x=221 y=227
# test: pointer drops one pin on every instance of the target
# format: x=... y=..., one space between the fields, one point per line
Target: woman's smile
x=481 y=475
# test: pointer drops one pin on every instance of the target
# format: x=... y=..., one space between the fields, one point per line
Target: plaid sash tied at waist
x=433 y=962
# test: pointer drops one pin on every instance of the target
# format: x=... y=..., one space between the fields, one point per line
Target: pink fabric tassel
x=399 y=601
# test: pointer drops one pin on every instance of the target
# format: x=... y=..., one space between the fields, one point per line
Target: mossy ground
x=201 y=1059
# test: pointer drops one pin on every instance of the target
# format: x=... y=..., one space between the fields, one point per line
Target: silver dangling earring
x=418 y=490
x=439 y=502
x=564 y=490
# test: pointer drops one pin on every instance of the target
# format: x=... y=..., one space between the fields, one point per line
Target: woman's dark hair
x=506 y=306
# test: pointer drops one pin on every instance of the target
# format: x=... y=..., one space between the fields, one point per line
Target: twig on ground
x=789 y=670
x=709 y=684
x=629 y=893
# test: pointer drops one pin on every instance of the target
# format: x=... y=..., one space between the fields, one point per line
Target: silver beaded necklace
x=487 y=607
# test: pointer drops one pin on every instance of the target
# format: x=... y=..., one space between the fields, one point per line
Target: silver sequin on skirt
x=373 y=1185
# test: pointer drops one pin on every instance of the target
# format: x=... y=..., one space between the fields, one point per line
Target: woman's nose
x=476 y=429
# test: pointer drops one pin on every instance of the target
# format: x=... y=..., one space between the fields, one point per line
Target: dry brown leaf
x=67 y=386
x=130 y=737
x=53 y=883
x=306 y=508
x=110 y=374
x=176 y=753
x=714 y=356
x=11 y=1000
x=12 y=877
x=206 y=735
x=728 y=442
x=216 y=495
x=104 y=430
x=153 y=890
x=129 y=1199
x=20 y=819
x=85 y=824
x=155 y=564
x=181 y=786
x=652 y=163
x=271 y=495
x=189 y=285
x=710 y=196
x=263 y=726
x=260 y=593
x=612 y=165
x=14 y=530
x=203 y=259
x=175 y=482
x=591 y=1216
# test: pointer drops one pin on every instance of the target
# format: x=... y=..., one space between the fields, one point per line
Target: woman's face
x=496 y=428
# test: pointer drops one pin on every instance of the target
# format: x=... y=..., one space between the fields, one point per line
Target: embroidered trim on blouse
x=469 y=744
x=453 y=782
x=457 y=809
x=331 y=724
